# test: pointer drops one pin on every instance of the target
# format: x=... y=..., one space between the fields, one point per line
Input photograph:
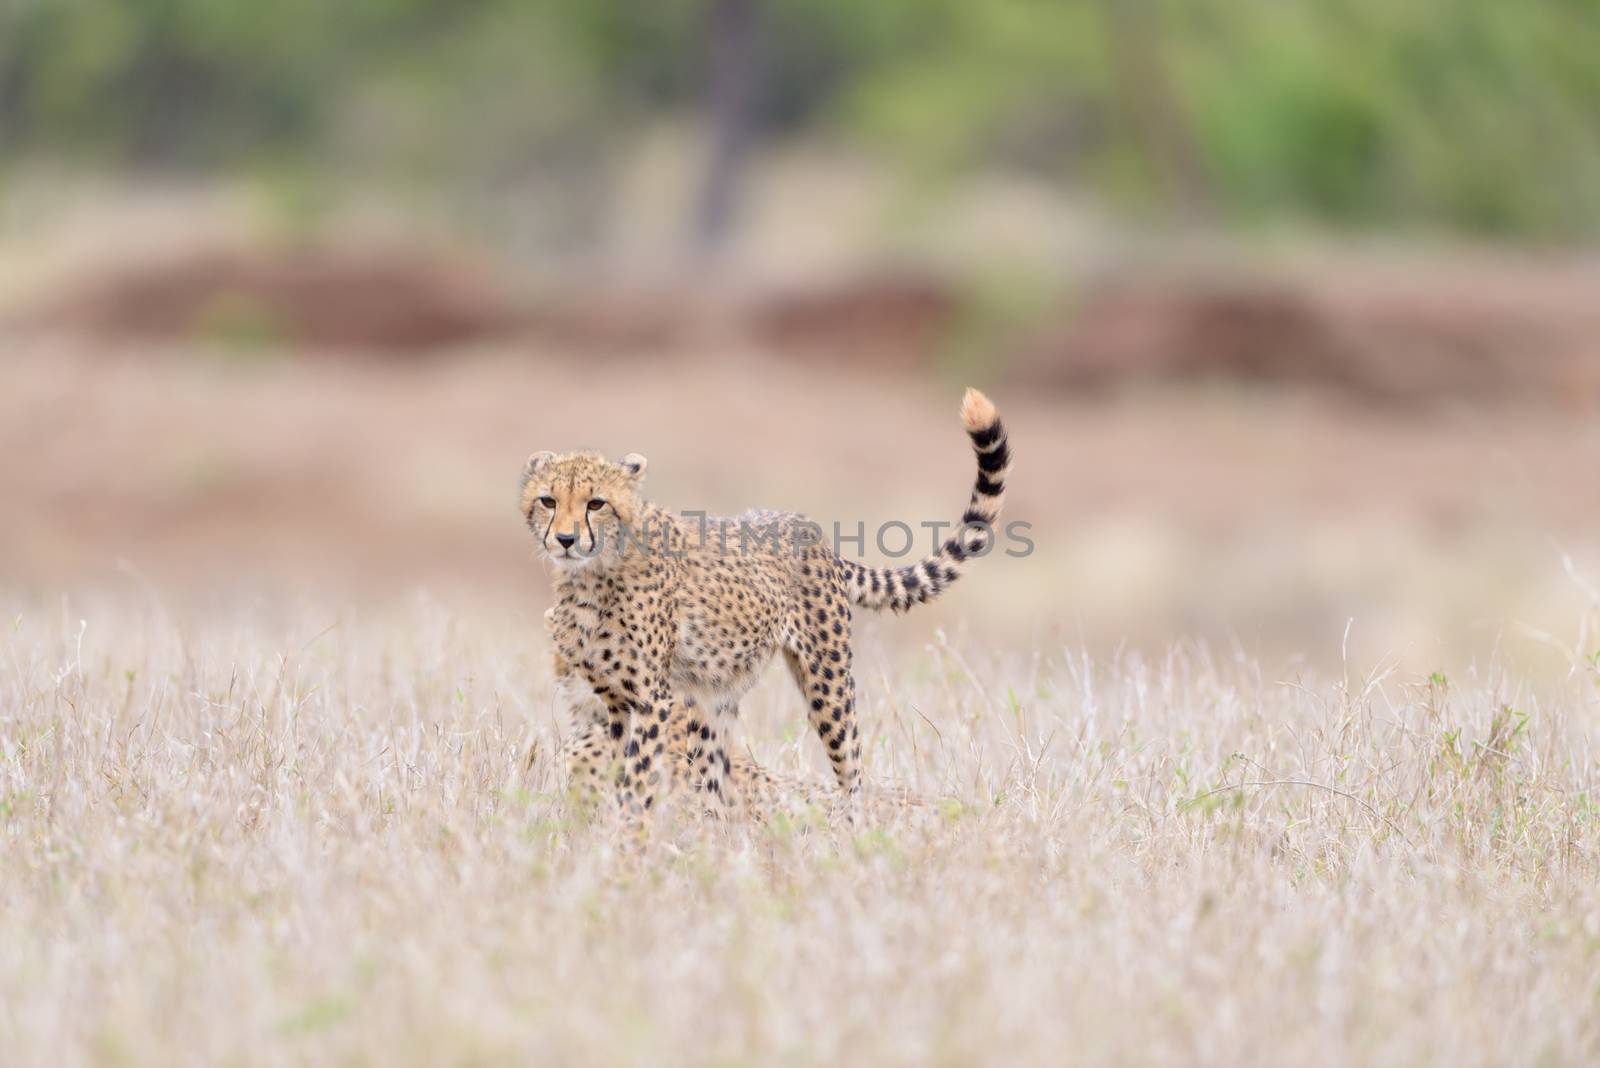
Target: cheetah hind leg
x=821 y=669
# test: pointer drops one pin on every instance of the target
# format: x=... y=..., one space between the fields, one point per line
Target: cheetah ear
x=538 y=460
x=634 y=465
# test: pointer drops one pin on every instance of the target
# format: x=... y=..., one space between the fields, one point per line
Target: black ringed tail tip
x=900 y=588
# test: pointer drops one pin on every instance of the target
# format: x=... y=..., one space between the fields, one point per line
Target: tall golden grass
x=247 y=844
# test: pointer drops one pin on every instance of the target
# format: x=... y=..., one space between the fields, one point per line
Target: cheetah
x=754 y=793
x=587 y=754
x=651 y=606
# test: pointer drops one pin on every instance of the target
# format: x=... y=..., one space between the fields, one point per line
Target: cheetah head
x=578 y=504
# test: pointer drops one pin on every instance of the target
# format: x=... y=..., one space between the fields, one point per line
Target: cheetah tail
x=900 y=588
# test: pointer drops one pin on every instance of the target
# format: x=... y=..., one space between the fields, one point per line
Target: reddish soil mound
x=1404 y=338
x=1405 y=333
x=336 y=298
x=894 y=321
x=607 y=318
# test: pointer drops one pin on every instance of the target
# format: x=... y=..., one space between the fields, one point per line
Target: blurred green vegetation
x=1479 y=116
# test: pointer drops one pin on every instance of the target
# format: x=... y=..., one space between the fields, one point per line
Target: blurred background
x=1293 y=307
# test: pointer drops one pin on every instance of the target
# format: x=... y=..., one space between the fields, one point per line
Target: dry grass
x=248 y=845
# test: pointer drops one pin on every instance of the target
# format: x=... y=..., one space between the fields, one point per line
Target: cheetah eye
x=548 y=502
x=596 y=504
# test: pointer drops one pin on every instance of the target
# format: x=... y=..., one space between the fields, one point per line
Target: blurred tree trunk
x=1145 y=84
x=732 y=31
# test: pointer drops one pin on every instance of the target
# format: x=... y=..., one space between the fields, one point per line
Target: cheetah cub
x=652 y=606
x=588 y=754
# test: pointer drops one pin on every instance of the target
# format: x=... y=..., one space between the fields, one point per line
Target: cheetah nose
x=566 y=540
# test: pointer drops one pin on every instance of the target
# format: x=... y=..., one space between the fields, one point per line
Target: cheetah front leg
x=611 y=696
x=589 y=757
x=588 y=753
x=642 y=723
x=624 y=655
x=638 y=706
x=708 y=768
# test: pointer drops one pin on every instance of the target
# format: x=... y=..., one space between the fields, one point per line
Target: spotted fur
x=589 y=760
x=589 y=757
x=654 y=609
